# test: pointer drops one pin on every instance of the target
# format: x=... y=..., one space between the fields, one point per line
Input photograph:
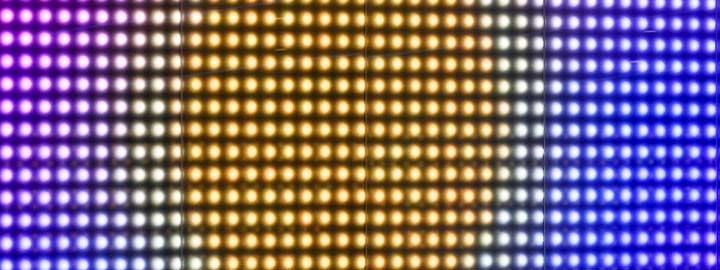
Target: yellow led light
x=321 y=137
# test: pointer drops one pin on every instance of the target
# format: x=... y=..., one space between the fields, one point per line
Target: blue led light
x=635 y=134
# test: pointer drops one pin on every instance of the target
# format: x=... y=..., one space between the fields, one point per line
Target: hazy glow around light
x=642 y=144
x=66 y=164
x=341 y=134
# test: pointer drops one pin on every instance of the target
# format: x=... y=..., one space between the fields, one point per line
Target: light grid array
x=85 y=117
x=274 y=135
x=358 y=134
x=518 y=159
x=363 y=135
x=632 y=135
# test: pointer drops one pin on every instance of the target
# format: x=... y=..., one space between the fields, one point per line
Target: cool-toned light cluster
x=517 y=229
x=632 y=135
x=85 y=160
x=363 y=135
x=358 y=134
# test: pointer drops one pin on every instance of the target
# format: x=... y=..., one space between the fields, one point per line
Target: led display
x=87 y=177
x=363 y=134
x=358 y=134
x=631 y=135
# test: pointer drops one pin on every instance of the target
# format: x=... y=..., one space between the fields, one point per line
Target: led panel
x=363 y=135
x=85 y=143
x=274 y=135
x=632 y=135
x=358 y=134
x=518 y=136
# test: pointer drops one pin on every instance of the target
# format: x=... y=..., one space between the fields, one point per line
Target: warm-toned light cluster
x=354 y=135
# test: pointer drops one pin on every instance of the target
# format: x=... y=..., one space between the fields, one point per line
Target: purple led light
x=44 y=106
x=63 y=84
x=7 y=38
x=26 y=16
x=6 y=106
x=102 y=39
x=7 y=15
x=44 y=84
x=26 y=39
x=25 y=153
x=45 y=39
x=82 y=61
x=44 y=61
x=102 y=16
x=63 y=61
x=82 y=39
x=45 y=16
x=6 y=61
x=64 y=16
x=25 y=84
x=26 y=106
x=63 y=39
x=6 y=129
x=6 y=84
x=6 y=197
x=26 y=61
